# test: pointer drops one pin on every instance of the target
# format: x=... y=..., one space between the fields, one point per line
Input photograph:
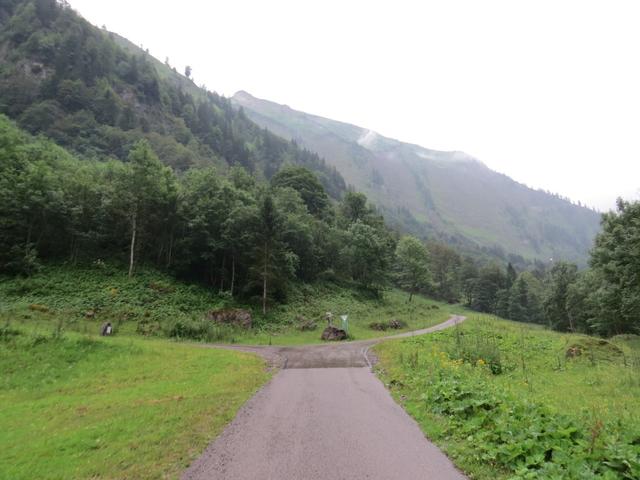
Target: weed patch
x=505 y=402
x=152 y=304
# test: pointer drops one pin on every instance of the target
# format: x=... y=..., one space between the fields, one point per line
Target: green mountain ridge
x=449 y=196
x=96 y=94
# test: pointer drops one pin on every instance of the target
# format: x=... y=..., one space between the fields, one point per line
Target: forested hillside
x=97 y=94
x=232 y=232
x=134 y=164
x=447 y=196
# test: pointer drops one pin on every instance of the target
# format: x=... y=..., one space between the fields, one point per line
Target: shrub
x=200 y=329
x=524 y=437
x=381 y=326
x=305 y=325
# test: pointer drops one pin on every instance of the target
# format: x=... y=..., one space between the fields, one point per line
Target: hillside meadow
x=144 y=402
x=80 y=406
x=155 y=305
x=513 y=400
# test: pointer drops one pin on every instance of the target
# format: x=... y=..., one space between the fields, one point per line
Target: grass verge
x=509 y=400
x=73 y=406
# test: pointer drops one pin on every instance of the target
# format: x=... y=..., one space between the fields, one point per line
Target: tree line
x=244 y=236
x=603 y=299
x=250 y=238
x=97 y=95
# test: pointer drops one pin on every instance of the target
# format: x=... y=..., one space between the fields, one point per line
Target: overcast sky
x=547 y=92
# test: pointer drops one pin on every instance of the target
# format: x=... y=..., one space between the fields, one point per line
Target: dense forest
x=63 y=77
x=104 y=159
x=251 y=239
x=603 y=299
x=232 y=232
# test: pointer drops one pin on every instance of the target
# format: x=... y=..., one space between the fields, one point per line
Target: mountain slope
x=96 y=94
x=446 y=195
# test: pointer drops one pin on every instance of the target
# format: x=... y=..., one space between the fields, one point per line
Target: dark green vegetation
x=74 y=406
x=156 y=171
x=254 y=241
x=166 y=174
x=444 y=196
x=155 y=305
x=509 y=400
x=129 y=195
x=602 y=300
x=97 y=94
x=233 y=233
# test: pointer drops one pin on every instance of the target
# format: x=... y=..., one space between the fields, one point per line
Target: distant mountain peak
x=243 y=94
x=448 y=195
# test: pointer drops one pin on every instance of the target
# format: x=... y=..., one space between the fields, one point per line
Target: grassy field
x=140 y=405
x=509 y=400
x=361 y=310
x=75 y=406
x=81 y=299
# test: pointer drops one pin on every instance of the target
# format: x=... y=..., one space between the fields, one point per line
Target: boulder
x=396 y=324
x=233 y=316
x=332 y=333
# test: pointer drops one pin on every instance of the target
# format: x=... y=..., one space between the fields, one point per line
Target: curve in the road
x=334 y=422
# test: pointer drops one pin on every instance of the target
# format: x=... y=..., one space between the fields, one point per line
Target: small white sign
x=345 y=322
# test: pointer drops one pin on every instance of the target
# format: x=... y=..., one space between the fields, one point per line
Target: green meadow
x=512 y=400
x=80 y=406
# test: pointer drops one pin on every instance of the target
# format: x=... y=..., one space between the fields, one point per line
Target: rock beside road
x=397 y=324
x=233 y=316
x=332 y=333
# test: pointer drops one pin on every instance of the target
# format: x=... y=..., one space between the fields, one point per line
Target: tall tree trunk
x=233 y=271
x=160 y=252
x=134 y=228
x=222 y=274
x=28 y=241
x=264 y=280
x=170 y=251
x=72 y=250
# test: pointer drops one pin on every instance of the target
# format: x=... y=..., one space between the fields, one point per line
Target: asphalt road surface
x=324 y=415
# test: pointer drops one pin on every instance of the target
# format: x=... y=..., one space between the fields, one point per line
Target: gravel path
x=323 y=416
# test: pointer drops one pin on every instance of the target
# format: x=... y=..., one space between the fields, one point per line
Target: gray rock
x=233 y=316
x=333 y=334
x=396 y=324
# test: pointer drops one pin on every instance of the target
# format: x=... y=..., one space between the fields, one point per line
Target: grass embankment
x=509 y=400
x=153 y=304
x=74 y=406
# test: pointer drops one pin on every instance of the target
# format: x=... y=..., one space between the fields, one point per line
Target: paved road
x=328 y=355
x=323 y=416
